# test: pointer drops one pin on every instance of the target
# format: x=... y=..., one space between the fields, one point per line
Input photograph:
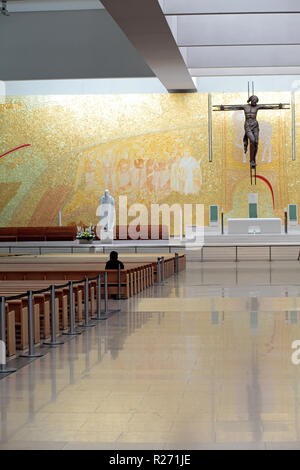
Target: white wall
x=240 y=84
x=85 y=87
x=147 y=85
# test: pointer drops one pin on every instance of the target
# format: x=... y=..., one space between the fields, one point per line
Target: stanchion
x=119 y=297
x=98 y=317
x=72 y=331
x=222 y=222
x=53 y=341
x=107 y=312
x=3 y=368
x=31 y=352
x=285 y=221
x=176 y=263
x=163 y=269
x=158 y=271
x=87 y=323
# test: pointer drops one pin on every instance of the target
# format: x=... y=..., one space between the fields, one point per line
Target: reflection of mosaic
x=151 y=148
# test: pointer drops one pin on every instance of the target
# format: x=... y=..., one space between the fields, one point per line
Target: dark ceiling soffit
x=146 y=27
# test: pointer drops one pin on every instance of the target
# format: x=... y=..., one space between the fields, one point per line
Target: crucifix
x=251 y=125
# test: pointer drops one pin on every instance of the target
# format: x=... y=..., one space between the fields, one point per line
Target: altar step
x=252 y=239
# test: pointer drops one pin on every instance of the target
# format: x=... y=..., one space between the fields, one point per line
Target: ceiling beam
x=145 y=26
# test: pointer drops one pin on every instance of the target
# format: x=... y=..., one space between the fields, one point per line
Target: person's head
x=106 y=193
x=113 y=255
x=253 y=100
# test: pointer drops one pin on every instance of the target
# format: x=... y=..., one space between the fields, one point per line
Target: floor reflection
x=178 y=367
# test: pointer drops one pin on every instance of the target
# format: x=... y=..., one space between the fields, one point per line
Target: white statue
x=107 y=216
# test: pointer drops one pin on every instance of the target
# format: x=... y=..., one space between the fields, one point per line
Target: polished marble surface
x=202 y=362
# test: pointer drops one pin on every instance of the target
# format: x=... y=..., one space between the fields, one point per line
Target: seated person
x=113 y=262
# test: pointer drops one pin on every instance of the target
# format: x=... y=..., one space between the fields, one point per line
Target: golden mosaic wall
x=152 y=148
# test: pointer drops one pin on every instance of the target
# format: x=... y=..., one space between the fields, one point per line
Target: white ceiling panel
x=243 y=71
x=242 y=56
x=237 y=29
x=234 y=36
x=191 y=7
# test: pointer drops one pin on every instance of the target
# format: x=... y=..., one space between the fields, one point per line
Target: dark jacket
x=114 y=264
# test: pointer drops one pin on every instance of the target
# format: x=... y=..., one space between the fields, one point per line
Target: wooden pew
x=12 y=288
x=43 y=299
x=98 y=261
x=20 y=336
x=76 y=272
x=102 y=258
x=38 y=233
x=25 y=273
x=20 y=309
x=141 y=277
x=41 y=314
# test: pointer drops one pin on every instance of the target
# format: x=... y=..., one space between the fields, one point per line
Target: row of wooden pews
x=23 y=234
x=19 y=275
x=140 y=270
x=17 y=331
x=133 y=279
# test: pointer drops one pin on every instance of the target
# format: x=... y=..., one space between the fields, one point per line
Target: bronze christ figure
x=251 y=124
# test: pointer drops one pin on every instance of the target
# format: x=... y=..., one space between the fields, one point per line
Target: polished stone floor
x=203 y=362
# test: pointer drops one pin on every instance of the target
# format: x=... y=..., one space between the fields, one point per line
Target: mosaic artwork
x=59 y=153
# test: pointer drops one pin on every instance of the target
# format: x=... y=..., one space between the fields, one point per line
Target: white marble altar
x=254 y=226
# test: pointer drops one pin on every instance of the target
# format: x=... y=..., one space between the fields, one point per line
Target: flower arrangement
x=88 y=234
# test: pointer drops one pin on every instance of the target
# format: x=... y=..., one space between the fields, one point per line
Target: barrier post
x=285 y=221
x=31 y=352
x=105 y=294
x=119 y=283
x=98 y=317
x=87 y=323
x=72 y=331
x=176 y=263
x=158 y=271
x=53 y=341
x=163 y=269
x=3 y=368
x=222 y=222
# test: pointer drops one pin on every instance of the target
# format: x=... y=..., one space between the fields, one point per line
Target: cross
x=251 y=125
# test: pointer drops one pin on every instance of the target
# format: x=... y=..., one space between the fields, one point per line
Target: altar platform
x=214 y=246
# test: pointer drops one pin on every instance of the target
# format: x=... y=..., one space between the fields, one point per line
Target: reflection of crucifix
x=251 y=124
